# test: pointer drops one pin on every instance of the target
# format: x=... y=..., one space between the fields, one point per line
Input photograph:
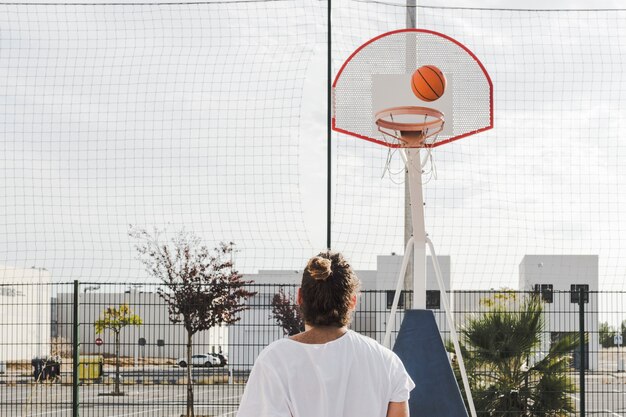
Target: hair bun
x=319 y=268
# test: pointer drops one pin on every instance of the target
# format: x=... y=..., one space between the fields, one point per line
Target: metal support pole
x=75 y=352
x=581 y=330
x=329 y=103
x=453 y=334
x=620 y=361
x=408 y=253
x=410 y=65
x=414 y=166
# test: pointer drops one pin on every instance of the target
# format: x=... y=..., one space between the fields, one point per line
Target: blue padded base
x=421 y=349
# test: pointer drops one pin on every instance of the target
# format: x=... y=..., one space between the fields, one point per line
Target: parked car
x=203 y=359
x=222 y=358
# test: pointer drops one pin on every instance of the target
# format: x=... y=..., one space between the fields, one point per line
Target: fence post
x=75 y=352
x=581 y=319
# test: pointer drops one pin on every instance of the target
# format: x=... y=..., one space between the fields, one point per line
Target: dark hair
x=328 y=284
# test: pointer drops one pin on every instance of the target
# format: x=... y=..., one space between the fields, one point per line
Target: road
x=54 y=400
x=148 y=374
x=606 y=396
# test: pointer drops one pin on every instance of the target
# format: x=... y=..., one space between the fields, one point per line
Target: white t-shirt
x=352 y=376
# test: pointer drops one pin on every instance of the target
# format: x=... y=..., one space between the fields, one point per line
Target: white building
x=387 y=272
x=24 y=313
x=557 y=278
x=157 y=337
x=252 y=333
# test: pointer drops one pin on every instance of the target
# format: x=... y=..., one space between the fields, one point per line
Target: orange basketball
x=428 y=83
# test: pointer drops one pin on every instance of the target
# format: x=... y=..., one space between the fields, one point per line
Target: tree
x=506 y=375
x=607 y=333
x=287 y=313
x=115 y=319
x=201 y=287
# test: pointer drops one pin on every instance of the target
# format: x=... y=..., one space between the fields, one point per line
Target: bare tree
x=200 y=286
x=287 y=313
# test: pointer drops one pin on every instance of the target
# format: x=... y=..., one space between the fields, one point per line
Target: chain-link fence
x=55 y=358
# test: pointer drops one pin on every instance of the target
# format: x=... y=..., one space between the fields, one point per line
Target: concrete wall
x=24 y=313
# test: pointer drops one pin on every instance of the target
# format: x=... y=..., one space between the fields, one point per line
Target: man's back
x=347 y=377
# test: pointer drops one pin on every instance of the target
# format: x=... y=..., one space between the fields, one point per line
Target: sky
x=505 y=4
x=527 y=4
x=212 y=118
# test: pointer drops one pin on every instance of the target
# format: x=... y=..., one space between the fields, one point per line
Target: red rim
x=410 y=127
x=413 y=134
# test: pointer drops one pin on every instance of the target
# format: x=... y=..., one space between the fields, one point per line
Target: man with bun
x=328 y=370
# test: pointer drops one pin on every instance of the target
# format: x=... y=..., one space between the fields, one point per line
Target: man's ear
x=299 y=298
x=353 y=301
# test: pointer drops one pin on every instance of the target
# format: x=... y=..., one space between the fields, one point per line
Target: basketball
x=428 y=83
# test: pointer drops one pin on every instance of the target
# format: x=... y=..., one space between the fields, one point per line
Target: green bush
x=509 y=376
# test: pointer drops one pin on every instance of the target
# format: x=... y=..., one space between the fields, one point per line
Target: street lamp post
x=40 y=320
x=618 y=340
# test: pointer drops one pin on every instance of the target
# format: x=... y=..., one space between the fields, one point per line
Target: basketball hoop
x=410 y=126
x=413 y=81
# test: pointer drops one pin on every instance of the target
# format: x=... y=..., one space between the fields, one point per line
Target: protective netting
x=544 y=181
x=166 y=115
x=211 y=116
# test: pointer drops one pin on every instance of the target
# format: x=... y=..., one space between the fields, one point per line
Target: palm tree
x=507 y=376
